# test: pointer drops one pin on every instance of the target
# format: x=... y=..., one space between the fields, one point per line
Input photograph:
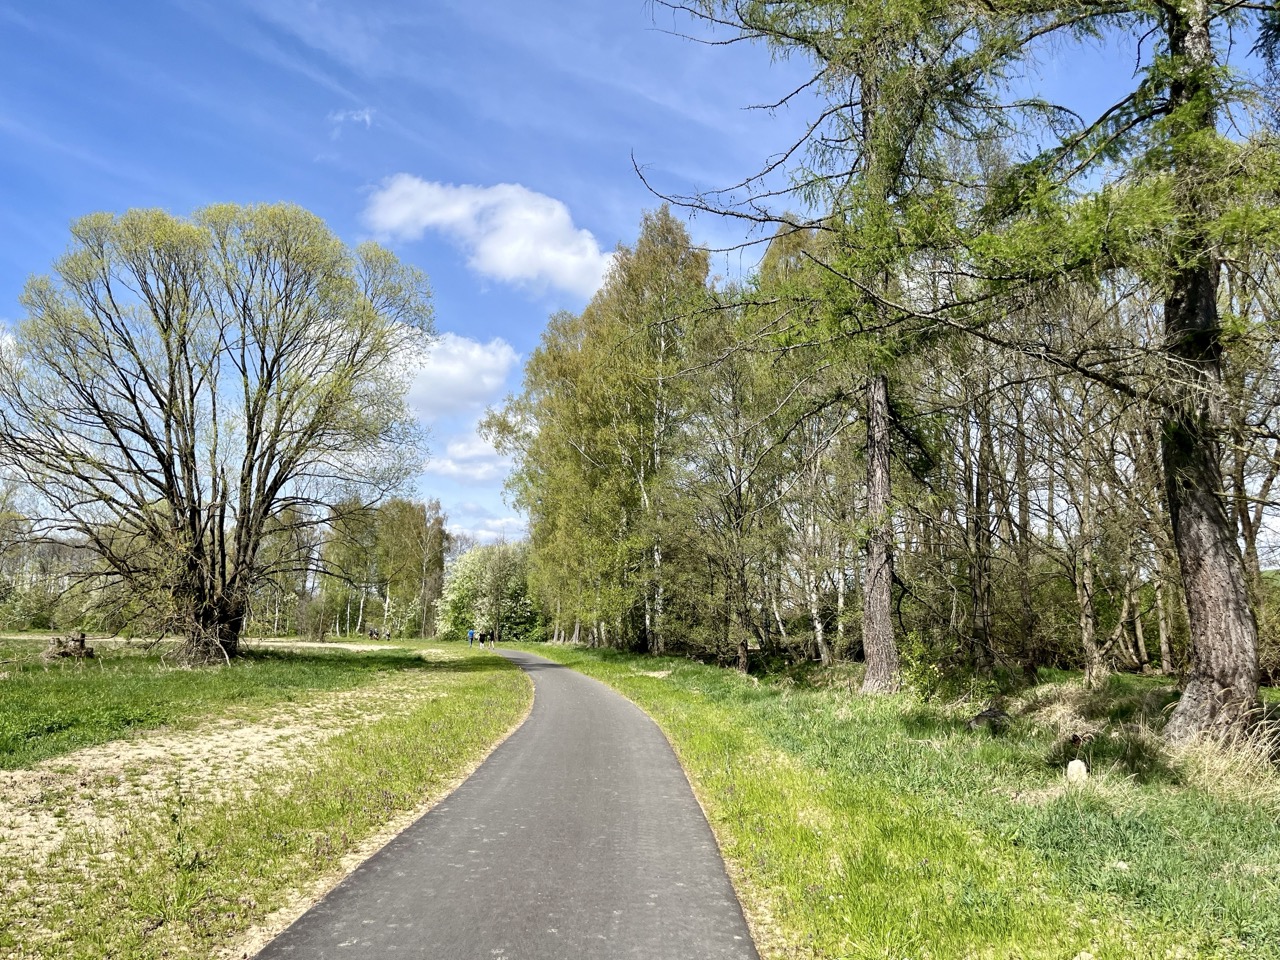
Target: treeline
x=982 y=408
x=694 y=464
x=353 y=572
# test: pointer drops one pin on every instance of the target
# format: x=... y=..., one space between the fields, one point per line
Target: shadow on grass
x=926 y=723
x=372 y=661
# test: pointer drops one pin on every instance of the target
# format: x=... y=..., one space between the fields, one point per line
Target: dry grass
x=1241 y=769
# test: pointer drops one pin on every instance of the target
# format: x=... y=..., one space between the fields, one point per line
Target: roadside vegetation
x=889 y=827
x=253 y=789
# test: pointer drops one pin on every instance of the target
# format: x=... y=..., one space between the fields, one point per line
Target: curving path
x=578 y=838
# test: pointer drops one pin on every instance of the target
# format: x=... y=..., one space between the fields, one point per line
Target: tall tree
x=185 y=383
x=1151 y=187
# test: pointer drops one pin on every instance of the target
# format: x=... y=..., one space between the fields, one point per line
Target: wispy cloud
x=461 y=375
x=509 y=232
x=340 y=118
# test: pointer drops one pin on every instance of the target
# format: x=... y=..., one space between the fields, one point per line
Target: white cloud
x=460 y=375
x=491 y=530
x=470 y=459
x=510 y=233
x=338 y=118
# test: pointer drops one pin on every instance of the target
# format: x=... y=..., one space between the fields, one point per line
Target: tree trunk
x=1027 y=610
x=813 y=595
x=1094 y=666
x=1221 y=693
x=657 y=643
x=1140 y=636
x=980 y=583
x=842 y=588
x=877 y=625
x=1162 y=626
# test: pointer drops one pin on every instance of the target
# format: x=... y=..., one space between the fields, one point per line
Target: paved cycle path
x=579 y=838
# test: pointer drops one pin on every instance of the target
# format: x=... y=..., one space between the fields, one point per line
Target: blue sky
x=489 y=142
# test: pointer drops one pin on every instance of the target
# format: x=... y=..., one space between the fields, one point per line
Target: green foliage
x=597 y=439
x=487 y=590
x=383 y=569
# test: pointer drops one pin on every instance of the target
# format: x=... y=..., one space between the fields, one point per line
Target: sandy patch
x=88 y=789
x=99 y=793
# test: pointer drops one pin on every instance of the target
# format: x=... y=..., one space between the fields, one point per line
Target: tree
x=603 y=391
x=1151 y=189
x=184 y=386
x=486 y=589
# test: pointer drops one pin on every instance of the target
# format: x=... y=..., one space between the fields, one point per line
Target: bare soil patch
x=89 y=789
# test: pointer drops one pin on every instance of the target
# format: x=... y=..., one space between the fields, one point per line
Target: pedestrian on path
x=471 y=638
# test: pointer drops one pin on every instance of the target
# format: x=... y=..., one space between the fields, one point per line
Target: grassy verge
x=51 y=709
x=887 y=828
x=190 y=871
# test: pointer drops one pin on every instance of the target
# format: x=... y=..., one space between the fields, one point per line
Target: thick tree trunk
x=1222 y=687
x=877 y=623
x=1221 y=694
x=213 y=631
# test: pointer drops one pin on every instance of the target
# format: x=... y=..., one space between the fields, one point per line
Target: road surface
x=577 y=839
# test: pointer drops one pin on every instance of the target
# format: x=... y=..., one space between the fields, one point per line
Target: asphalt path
x=579 y=838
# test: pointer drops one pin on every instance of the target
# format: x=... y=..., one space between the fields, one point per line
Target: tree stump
x=67 y=648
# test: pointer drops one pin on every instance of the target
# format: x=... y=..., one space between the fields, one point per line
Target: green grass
x=189 y=877
x=51 y=709
x=859 y=828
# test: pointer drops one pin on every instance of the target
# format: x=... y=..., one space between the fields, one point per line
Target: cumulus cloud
x=461 y=375
x=509 y=232
x=469 y=459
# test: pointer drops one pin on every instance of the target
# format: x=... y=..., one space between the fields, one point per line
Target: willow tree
x=181 y=387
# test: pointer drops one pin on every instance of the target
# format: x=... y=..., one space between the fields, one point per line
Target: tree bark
x=877 y=625
x=1221 y=693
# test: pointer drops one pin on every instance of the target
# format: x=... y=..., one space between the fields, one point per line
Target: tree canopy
x=182 y=388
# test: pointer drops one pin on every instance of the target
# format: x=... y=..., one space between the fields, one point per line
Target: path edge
x=255 y=939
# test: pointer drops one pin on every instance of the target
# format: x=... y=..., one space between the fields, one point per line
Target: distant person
x=471 y=638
